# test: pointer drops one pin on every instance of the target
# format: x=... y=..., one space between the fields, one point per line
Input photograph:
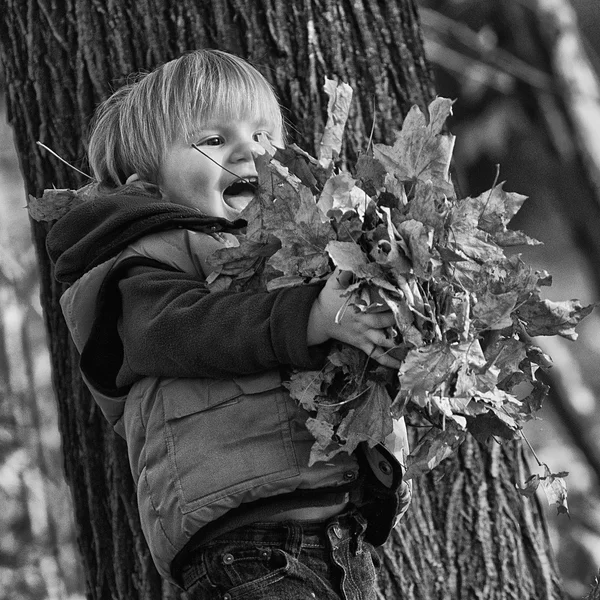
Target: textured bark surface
x=468 y=534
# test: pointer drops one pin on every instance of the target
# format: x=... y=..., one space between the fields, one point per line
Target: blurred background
x=508 y=112
x=38 y=555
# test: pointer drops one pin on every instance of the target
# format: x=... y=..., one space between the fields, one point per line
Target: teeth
x=242 y=186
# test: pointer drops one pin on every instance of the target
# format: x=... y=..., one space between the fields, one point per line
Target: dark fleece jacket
x=106 y=223
x=153 y=321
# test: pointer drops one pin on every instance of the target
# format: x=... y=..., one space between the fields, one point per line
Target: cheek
x=188 y=178
x=181 y=178
x=200 y=182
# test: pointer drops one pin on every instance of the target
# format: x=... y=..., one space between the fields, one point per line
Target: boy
x=192 y=379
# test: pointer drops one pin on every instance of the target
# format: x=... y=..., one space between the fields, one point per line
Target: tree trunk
x=468 y=534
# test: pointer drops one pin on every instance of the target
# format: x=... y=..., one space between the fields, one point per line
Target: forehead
x=227 y=122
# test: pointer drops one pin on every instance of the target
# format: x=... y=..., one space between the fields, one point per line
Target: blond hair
x=132 y=129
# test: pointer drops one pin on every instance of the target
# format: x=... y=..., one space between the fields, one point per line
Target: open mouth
x=240 y=192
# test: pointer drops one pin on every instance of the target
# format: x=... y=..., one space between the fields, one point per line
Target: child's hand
x=366 y=331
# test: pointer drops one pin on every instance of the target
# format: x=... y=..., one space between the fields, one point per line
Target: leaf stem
x=63 y=160
x=540 y=464
x=373 y=125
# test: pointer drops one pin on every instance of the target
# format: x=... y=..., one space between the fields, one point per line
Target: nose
x=246 y=150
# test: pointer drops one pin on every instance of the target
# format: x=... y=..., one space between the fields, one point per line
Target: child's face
x=209 y=181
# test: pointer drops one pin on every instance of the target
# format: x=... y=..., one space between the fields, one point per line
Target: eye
x=213 y=140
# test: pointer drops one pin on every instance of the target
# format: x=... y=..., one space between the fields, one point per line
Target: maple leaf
x=55 y=203
x=491 y=212
x=495 y=310
x=348 y=358
x=340 y=192
x=295 y=220
x=324 y=447
x=465 y=273
x=284 y=226
x=554 y=487
x=371 y=173
x=506 y=354
x=533 y=402
x=546 y=317
x=236 y=266
x=336 y=193
x=428 y=371
x=467 y=240
x=491 y=423
x=404 y=319
x=424 y=370
x=307 y=387
x=347 y=256
x=455 y=312
x=428 y=207
x=274 y=181
x=348 y=225
x=473 y=379
x=302 y=165
x=370 y=421
x=419 y=240
x=421 y=151
x=530 y=486
x=435 y=446
x=516 y=275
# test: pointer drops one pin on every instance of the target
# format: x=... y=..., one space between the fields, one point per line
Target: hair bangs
x=223 y=88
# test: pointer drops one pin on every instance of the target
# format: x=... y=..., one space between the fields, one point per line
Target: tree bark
x=468 y=535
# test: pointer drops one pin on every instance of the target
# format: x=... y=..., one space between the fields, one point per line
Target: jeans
x=286 y=561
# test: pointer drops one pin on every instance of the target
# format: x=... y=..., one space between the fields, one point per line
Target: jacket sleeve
x=173 y=326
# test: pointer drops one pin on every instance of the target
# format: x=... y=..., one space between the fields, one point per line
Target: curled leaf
x=530 y=486
x=433 y=448
x=554 y=487
x=546 y=317
x=340 y=96
x=53 y=204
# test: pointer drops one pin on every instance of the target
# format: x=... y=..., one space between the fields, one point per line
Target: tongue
x=239 y=201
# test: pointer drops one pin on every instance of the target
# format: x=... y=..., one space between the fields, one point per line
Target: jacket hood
x=104 y=224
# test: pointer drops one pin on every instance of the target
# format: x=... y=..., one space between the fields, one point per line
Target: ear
x=132 y=178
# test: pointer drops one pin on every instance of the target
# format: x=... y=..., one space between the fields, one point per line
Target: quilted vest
x=199 y=448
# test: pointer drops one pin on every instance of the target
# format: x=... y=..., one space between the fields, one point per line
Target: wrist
x=316 y=332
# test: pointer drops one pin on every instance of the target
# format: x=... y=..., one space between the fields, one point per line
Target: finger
x=381 y=356
x=387 y=361
x=381 y=320
x=380 y=337
x=373 y=309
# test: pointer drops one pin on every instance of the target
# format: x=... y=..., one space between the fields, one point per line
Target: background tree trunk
x=529 y=100
x=468 y=534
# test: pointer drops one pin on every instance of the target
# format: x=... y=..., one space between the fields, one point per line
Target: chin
x=233 y=215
